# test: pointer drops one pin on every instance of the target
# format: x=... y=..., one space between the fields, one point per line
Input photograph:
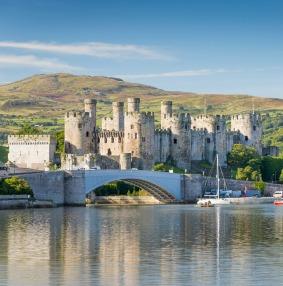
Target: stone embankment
x=22 y=202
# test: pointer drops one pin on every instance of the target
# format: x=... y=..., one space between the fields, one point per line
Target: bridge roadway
x=71 y=187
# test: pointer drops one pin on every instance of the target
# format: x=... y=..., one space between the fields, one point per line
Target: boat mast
x=217 y=176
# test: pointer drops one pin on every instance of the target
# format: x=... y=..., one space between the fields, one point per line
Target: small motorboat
x=278 y=203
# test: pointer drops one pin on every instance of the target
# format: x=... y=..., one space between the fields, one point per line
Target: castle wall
x=110 y=143
x=198 y=145
x=162 y=141
x=31 y=151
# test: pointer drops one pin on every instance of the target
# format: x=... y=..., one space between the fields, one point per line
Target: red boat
x=278 y=203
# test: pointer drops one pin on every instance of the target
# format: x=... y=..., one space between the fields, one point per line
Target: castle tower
x=80 y=129
x=250 y=127
x=166 y=111
x=139 y=136
x=90 y=107
x=180 y=141
x=73 y=133
x=118 y=115
x=133 y=104
x=215 y=140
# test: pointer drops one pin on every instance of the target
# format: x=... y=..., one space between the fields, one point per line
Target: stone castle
x=130 y=139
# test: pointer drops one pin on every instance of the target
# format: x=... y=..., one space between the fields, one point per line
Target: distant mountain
x=49 y=96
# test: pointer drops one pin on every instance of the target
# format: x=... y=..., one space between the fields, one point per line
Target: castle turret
x=215 y=140
x=166 y=111
x=80 y=129
x=118 y=115
x=133 y=104
x=90 y=107
x=180 y=142
x=250 y=127
x=139 y=137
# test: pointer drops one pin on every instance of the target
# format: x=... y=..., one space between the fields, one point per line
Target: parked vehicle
x=251 y=193
x=278 y=194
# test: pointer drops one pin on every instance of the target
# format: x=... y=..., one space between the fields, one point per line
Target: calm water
x=149 y=245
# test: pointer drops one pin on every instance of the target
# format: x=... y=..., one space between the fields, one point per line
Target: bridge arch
x=163 y=186
x=153 y=189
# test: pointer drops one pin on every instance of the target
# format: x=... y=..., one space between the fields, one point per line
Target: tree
x=281 y=177
x=271 y=168
x=240 y=155
x=28 y=129
x=15 y=186
x=60 y=141
x=248 y=173
x=260 y=185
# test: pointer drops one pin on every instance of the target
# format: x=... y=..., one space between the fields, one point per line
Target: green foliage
x=260 y=185
x=28 y=129
x=60 y=141
x=271 y=168
x=137 y=193
x=15 y=186
x=162 y=167
x=248 y=173
x=272 y=129
x=240 y=155
x=3 y=154
x=281 y=177
x=116 y=188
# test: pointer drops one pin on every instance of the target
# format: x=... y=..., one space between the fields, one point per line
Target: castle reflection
x=159 y=245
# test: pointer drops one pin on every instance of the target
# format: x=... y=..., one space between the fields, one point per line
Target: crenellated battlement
x=109 y=134
x=246 y=117
x=162 y=131
x=30 y=139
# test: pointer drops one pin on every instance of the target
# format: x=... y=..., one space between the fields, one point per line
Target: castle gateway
x=130 y=139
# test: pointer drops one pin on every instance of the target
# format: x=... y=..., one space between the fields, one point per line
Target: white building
x=31 y=151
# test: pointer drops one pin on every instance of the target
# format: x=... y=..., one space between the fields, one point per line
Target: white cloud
x=33 y=61
x=94 y=49
x=184 y=73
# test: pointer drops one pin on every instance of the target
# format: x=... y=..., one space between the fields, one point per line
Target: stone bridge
x=71 y=187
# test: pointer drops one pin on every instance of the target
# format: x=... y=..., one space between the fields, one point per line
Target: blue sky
x=193 y=45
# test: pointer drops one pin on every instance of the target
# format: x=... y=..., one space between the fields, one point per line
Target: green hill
x=43 y=100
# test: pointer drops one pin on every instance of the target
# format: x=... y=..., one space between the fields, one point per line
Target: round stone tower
x=118 y=115
x=74 y=123
x=250 y=127
x=80 y=129
x=180 y=142
x=166 y=108
x=139 y=137
x=90 y=107
x=133 y=104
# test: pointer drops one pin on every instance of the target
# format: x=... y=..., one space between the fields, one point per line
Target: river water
x=145 y=245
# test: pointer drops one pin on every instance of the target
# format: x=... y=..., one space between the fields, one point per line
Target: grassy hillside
x=43 y=99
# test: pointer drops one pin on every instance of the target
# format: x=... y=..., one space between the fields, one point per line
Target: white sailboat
x=214 y=200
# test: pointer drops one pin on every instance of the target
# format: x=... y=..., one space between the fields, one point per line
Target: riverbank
x=23 y=202
x=124 y=200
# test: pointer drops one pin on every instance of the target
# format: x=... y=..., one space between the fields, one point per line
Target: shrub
x=15 y=186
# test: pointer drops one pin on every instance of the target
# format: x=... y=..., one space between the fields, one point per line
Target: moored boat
x=278 y=203
x=214 y=200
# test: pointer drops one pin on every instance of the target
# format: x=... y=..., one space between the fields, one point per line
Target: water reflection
x=158 y=245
